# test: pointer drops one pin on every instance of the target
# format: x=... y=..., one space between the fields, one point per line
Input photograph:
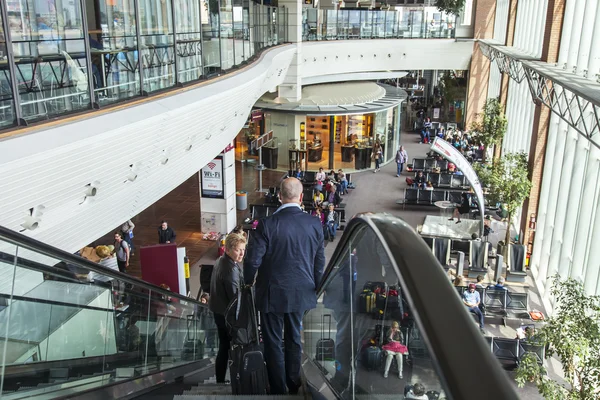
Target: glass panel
x=366 y=24
x=210 y=39
x=157 y=44
x=7 y=107
x=248 y=43
x=50 y=58
x=188 y=25
x=62 y=311
x=354 y=24
x=227 y=47
x=331 y=27
x=364 y=309
x=112 y=34
x=240 y=36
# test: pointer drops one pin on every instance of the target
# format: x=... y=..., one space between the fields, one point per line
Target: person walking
x=401 y=158
x=287 y=251
x=225 y=282
x=166 y=234
x=377 y=155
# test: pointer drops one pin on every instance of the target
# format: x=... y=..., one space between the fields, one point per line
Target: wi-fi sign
x=211 y=165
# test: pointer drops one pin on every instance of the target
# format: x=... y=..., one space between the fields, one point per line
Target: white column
x=291 y=88
x=592 y=273
x=594 y=59
x=586 y=37
x=576 y=35
x=219 y=215
x=573 y=202
x=587 y=214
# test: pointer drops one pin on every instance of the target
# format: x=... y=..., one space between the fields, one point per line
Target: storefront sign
x=450 y=153
x=212 y=179
x=256 y=115
x=229 y=147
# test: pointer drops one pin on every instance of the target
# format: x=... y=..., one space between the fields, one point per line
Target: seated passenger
x=393 y=347
x=299 y=174
x=525 y=332
x=417 y=392
x=499 y=285
x=333 y=197
x=341 y=177
x=320 y=176
x=318 y=198
x=429 y=186
x=319 y=214
x=331 y=224
x=459 y=281
x=472 y=299
x=479 y=283
x=419 y=181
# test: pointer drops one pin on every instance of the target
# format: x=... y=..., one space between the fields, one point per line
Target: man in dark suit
x=288 y=249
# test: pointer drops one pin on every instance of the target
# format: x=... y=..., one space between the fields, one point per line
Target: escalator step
x=210 y=388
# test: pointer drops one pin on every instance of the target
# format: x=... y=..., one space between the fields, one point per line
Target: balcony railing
x=403 y=23
x=89 y=54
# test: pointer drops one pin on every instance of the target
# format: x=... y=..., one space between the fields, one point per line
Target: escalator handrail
x=34 y=245
x=465 y=362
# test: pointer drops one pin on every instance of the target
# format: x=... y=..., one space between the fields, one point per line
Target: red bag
x=393 y=292
x=410 y=181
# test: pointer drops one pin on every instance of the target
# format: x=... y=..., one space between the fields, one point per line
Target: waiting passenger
x=318 y=212
x=299 y=174
x=341 y=177
x=417 y=392
x=320 y=176
x=331 y=223
x=226 y=281
x=318 y=198
x=499 y=285
x=459 y=281
x=166 y=234
x=479 y=283
x=472 y=299
x=394 y=348
x=429 y=186
x=419 y=181
x=333 y=197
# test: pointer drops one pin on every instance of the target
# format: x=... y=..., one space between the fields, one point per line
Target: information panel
x=212 y=179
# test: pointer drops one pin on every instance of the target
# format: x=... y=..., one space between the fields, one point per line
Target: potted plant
x=490 y=127
x=572 y=333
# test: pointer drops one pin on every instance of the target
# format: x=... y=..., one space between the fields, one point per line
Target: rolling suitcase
x=370 y=358
x=366 y=302
x=247 y=370
x=246 y=361
x=325 y=347
x=376 y=287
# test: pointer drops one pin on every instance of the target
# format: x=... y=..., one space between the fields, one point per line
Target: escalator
x=65 y=337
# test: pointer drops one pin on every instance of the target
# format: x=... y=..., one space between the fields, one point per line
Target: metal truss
x=507 y=64
x=579 y=110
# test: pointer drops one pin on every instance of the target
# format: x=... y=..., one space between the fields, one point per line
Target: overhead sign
x=261 y=140
x=450 y=153
x=212 y=179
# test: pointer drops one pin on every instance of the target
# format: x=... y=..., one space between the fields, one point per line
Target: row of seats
x=310 y=177
x=475 y=251
x=428 y=164
x=502 y=302
x=513 y=350
x=413 y=196
x=447 y=180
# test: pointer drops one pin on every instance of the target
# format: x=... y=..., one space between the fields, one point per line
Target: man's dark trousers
x=283 y=365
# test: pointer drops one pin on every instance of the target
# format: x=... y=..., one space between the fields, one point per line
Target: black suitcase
x=325 y=347
x=370 y=358
x=246 y=361
x=247 y=370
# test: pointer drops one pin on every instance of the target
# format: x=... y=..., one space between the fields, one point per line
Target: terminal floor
x=377 y=192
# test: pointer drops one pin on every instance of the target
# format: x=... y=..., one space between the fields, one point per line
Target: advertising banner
x=451 y=154
x=212 y=179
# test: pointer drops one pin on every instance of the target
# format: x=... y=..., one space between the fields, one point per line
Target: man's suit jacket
x=286 y=250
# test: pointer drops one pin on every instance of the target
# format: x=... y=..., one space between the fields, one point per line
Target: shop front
x=332 y=137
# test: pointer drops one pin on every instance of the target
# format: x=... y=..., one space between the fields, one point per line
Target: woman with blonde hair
x=227 y=279
x=394 y=348
x=460 y=281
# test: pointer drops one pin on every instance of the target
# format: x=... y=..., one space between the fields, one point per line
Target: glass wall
x=7 y=115
x=404 y=22
x=63 y=50
x=356 y=363
x=334 y=141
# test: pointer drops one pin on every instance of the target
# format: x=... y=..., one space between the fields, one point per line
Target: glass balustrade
x=72 y=327
x=59 y=57
x=402 y=23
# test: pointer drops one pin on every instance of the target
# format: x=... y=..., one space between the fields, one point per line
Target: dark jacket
x=288 y=249
x=167 y=235
x=224 y=284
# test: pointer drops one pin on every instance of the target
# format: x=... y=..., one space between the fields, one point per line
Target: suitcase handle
x=323 y=326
